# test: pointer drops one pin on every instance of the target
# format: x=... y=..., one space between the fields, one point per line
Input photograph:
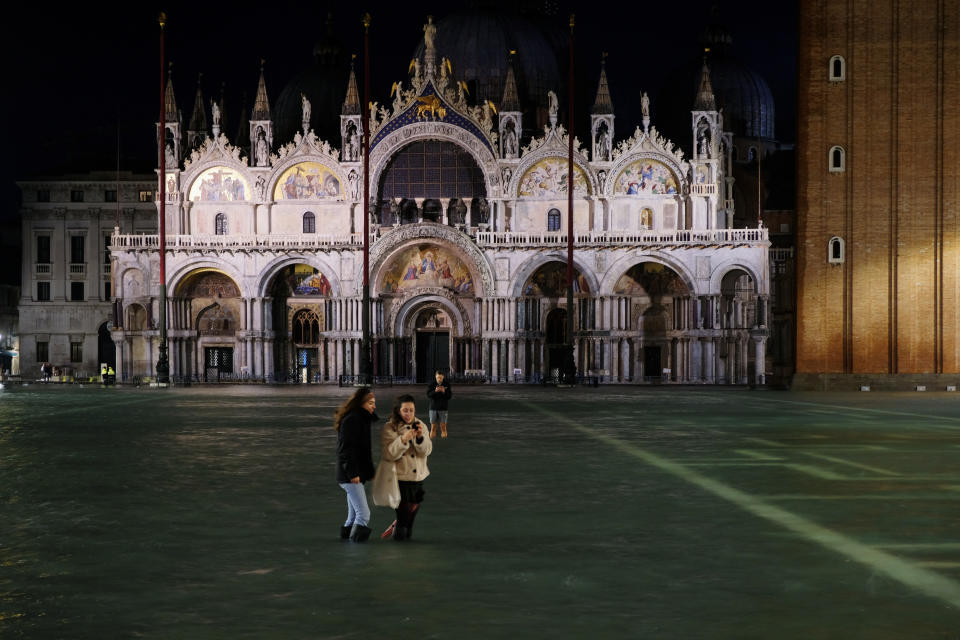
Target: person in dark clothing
x=354 y=460
x=439 y=393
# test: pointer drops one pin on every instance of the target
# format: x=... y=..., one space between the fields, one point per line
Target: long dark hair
x=353 y=402
x=395 y=417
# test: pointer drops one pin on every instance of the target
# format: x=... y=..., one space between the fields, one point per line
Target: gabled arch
x=317 y=261
x=543 y=153
x=431 y=130
x=528 y=268
x=623 y=265
x=721 y=270
x=181 y=273
x=385 y=247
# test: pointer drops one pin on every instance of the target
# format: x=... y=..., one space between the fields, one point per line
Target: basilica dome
x=324 y=83
x=478 y=42
x=742 y=93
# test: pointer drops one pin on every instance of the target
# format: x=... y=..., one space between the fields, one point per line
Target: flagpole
x=570 y=365
x=366 y=376
x=163 y=364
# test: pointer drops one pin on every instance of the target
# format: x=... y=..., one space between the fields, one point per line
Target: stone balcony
x=676 y=238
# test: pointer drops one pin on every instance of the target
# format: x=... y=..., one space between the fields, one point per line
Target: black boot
x=359 y=533
x=400 y=530
x=412 y=510
x=345 y=533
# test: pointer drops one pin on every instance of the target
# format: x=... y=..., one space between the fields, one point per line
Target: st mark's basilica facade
x=264 y=249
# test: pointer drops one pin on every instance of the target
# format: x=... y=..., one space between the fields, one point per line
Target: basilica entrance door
x=308 y=365
x=433 y=352
x=556 y=342
x=217 y=362
x=651 y=363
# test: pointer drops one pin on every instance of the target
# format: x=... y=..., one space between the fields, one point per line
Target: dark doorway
x=308 y=365
x=556 y=342
x=106 y=351
x=217 y=362
x=433 y=352
x=651 y=363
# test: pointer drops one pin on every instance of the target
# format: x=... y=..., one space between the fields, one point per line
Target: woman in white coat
x=406 y=442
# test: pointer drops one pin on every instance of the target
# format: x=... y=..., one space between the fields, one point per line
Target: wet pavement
x=609 y=513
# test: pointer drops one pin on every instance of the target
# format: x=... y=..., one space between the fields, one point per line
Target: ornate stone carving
x=402 y=300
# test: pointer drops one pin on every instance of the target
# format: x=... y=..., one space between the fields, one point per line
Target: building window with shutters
x=76 y=352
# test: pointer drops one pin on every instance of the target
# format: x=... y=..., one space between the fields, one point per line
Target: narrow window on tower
x=838 y=160
x=836 y=251
x=838 y=69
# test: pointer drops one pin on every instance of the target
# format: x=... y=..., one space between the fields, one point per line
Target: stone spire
x=198 y=121
x=261 y=105
x=172 y=114
x=603 y=104
x=197 y=128
x=705 y=100
x=351 y=104
x=511 y=97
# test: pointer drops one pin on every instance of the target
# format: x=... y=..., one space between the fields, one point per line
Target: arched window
x=553 y=220
x=836 y=251
x=838 y=69
x=309 y=222
x=838 y=159
x=646 y=218
x=220 y=224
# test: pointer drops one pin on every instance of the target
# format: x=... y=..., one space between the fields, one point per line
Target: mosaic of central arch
x=427 y=265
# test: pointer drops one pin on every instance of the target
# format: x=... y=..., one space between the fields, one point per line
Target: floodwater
x=608 y=513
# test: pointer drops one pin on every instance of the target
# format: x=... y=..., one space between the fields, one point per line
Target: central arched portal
x=432 y=327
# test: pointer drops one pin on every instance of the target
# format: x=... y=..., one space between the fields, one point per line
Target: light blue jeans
x=357 y=510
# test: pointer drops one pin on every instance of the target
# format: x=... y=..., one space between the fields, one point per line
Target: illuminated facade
x=468 y=246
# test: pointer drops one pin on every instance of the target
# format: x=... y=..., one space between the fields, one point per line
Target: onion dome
x=742 y=93
x=478 y=43
x=322 y=83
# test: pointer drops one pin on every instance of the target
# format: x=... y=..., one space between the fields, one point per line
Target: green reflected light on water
x=192 y=513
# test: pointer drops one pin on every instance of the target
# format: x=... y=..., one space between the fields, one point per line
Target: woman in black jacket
x=354 y=461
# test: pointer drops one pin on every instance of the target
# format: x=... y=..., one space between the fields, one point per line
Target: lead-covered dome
x=324 y=83
x=478 y=42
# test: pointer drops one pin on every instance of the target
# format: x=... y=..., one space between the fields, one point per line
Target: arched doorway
x=301 y=309
x=544 y=296
x=210 y=305
x=432 y=328
x=556 y=342
x=658 y=304
x=106 y=351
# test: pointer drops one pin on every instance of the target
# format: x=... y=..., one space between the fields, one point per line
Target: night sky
x=80 y=73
